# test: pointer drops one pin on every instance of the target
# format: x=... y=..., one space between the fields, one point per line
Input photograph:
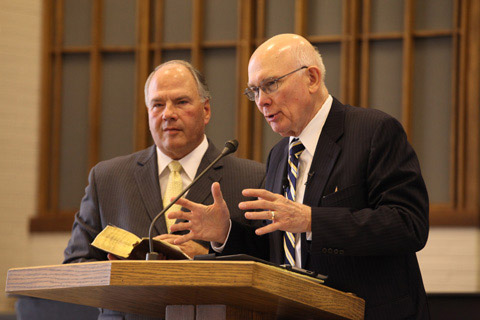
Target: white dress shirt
x=309 y=137
x=190 y=164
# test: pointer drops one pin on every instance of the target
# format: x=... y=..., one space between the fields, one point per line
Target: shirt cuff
x=218 y=247
x=309 y=236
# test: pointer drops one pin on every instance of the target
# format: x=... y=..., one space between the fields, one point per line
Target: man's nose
x=263 y=99
x=169 y=112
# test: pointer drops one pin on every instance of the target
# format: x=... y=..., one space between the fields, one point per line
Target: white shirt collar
x=189 y=163
x=310 y=135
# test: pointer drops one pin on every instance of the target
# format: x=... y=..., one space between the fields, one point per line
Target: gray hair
x=308 y=57
x=202 y=86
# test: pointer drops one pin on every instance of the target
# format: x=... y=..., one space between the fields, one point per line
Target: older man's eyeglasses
x=267 y=86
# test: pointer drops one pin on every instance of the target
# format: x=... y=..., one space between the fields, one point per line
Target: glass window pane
x=177 y=21
x=385 y=92
x=279 y=17
x=324 y=17
x=118 y=105
x=433 y=14
x=220 y=70
x=77 y=22
x=176 y=55
x=386 y=15
x=119 y=22
x=432 y=100
x=74 y=130
x=331 y=53
x=220 y=13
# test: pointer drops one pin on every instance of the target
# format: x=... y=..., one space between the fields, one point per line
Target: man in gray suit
x=127 y=191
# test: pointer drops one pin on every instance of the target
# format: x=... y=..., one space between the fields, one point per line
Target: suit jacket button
x=330 y=250
x=335 y=251
x=324 y=250
x=341 y=251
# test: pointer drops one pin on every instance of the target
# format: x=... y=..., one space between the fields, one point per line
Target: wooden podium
x=187 y=289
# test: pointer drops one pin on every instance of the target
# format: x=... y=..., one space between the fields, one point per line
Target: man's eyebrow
x=184 y=97
x=261 y=82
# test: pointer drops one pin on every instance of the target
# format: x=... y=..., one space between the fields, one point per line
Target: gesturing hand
x=191 y=248
x=208 y=223
x=289 y=215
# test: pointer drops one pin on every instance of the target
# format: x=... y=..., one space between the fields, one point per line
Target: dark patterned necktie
x=296 y=149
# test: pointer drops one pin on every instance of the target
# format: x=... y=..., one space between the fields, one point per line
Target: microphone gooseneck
x=230 y=147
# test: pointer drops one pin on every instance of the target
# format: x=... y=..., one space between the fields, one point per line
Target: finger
x=217 y=193
x=179 y=215
x=188 y=204
x=180 y=226
x=258 y=215
x=267 y=229
x=260 y=193
x=258 y=204
x=166 y=236
x=183 y=239
x=112 y=257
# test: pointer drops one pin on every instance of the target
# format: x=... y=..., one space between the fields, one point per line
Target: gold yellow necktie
x=174 y=187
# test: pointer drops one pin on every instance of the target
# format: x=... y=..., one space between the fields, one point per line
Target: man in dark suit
x=344 y=193
x=127 y=191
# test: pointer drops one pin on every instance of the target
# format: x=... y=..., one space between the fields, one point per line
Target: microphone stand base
x=152 y=256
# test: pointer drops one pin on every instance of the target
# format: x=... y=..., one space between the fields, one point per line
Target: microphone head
x=230 y=147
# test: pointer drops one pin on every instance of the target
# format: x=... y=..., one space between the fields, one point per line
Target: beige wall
x=450 y=262
x=19 y=142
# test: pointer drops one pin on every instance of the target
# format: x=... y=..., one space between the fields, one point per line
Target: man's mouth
x=271 y=116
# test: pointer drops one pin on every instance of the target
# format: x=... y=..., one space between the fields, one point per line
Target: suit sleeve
x=85 y=228
x=385 y=214
x=242 y=238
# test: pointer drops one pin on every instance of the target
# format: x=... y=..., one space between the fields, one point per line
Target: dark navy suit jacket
x=369 y=213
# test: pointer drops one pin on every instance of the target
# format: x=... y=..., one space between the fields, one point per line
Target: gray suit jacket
x=125 y=192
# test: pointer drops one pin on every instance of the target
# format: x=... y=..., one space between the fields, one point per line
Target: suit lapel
x=146 y=175
x=201 y=190
x=326 y=154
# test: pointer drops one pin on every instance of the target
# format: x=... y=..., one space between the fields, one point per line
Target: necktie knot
x=296 y=148
x=175 y=166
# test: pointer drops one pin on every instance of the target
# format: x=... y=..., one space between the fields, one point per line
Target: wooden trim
x=365 y=57
x=300 y=17
x=408 y=61
x=60 y=222
x=57 y=111
x=353 y=89
x=142 y=71
x=448 y=216
x=157 y=44
x=44 y=186
x=261 y=13
x=95 y=88
x=244 y=50
x=472 y=100
x=457 y=103
x=258 y=120
x=197 y=34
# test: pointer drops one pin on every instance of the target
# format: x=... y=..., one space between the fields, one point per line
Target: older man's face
x=287 y=110
x=177 y=115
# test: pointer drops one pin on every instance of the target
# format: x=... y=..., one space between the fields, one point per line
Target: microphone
x=230 y=147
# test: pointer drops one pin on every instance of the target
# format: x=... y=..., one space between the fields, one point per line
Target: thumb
x=217 y=193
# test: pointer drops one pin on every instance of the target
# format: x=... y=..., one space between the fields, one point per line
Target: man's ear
x=315 y=79
x=207 y=111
